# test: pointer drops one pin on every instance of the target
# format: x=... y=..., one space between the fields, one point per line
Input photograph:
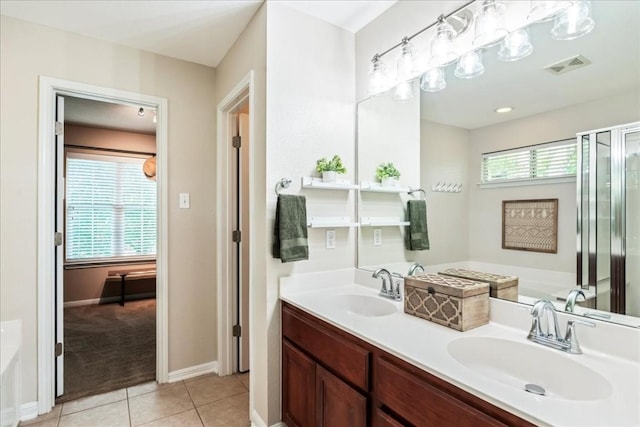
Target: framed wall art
x=530 y=225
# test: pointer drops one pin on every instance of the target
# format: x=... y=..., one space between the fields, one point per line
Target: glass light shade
x=378 y=78
x=408 y=64
x=469 y=65
x=403 y=91
x=442 y=51
x=573 y=22
x=490 y=24
x=516 y=45
x=433 y=80
x=545 y=10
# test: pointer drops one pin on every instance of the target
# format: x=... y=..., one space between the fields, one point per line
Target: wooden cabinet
x=331 y=378
x=337 y=404
x=298 y=379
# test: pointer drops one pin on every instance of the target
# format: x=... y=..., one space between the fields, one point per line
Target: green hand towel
x=290 y=229
x=417 y=235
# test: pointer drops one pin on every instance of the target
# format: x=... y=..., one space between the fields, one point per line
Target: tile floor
x=209 y=401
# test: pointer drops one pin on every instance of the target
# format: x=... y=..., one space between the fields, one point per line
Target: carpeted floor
x=108 y=347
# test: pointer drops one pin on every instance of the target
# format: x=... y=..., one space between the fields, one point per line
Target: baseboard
x=105 y=300
x=257 y=421
x=193 y=371
x=28 y=411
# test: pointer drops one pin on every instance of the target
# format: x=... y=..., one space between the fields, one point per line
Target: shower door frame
x=617 y=212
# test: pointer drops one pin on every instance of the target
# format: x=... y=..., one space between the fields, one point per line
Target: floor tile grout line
x=92 y=407
x=129 y=410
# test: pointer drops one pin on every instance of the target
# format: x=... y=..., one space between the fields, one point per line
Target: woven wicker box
x=503 y=287
x=450 y=301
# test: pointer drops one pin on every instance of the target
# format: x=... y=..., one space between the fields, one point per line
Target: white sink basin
x=517 y=364
x=364 y=305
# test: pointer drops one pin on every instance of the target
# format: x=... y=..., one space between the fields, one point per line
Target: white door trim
x=49 y=88
x=224 y=227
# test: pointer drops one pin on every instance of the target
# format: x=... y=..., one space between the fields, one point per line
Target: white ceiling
x=195 y=31
x=613 y=48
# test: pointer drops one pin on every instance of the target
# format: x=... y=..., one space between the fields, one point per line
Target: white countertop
x=424 y=344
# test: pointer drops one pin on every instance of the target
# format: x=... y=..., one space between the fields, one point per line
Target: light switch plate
x=185 y=201
x=377 y=237
x=331 y=239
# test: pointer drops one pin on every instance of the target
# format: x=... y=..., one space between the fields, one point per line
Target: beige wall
x=443 y=158
x=29 y=51
x=107 y=138
x=310 y=114
x=485 y=204
x=249 y=53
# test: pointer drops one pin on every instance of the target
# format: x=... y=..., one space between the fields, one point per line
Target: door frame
x=224 y=225
x=48 y=90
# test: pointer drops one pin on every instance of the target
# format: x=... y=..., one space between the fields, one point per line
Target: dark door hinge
x=58 y=349
x=237 y=330
x=236 y=236
x=236 y=141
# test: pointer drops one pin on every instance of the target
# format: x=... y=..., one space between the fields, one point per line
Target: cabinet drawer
x=382 y=419
x=422 y=404
x=346 y=359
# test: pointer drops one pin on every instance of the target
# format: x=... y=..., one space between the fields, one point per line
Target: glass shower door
x=632 y=221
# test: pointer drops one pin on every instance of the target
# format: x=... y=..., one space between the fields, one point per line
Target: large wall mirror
x=442 y=146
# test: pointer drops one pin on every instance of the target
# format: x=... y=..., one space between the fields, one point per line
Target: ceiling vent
x=567 y=65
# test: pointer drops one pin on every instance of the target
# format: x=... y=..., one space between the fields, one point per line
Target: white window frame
x=102 y=261
x=531 y=180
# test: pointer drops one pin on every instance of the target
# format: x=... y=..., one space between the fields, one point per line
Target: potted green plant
x=387 y=174
x=330 y=168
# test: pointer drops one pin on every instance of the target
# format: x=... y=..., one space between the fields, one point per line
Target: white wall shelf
x=330 y=222
x=376 y=187
x=381 y=221
x=341 y=184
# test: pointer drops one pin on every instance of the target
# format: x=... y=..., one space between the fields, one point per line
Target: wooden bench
x=131 y=274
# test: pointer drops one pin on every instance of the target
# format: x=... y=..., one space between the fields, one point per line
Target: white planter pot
x=329 y=176
x=390 y=182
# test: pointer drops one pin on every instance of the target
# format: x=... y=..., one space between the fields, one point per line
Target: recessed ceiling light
x=503 y=109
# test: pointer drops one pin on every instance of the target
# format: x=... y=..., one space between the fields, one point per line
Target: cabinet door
x=299 y=386
x=382 y=419
x=337 y=404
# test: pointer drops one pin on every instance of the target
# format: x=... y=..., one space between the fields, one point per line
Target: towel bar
x=283 y=183
x=418 y=190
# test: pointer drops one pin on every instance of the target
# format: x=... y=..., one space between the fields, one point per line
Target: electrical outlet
x=331 y=239
x=377 y=237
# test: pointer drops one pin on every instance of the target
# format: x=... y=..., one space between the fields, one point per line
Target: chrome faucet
x=552 y=338
x=387 y=277
x=415 y=266
x=571 y=299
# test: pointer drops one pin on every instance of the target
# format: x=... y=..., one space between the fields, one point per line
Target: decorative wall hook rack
x=418 y=190
x=283 y=183
x=446 y=187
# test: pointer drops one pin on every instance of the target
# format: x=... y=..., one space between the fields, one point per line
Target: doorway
x=50 y=296
x=240 y=141
x=107 y=208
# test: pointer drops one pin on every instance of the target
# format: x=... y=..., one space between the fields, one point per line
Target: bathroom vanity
x=353 y=358
x=332 y=378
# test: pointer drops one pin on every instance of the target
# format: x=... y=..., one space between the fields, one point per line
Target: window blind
x=110 y=209
x=543 y=161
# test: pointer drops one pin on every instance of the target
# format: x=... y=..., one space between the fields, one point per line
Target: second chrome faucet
x=390 y=291
x=544 y=310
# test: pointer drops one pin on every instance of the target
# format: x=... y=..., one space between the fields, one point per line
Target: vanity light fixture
x=490 y=24
x=433 y=80
x=378 y=78
x=504 y=109
x=141 y=112
x=545 y=10
x=470 y=65
x=572 y=19
x=573 y=22
x=516 y=45
x=442 y=49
